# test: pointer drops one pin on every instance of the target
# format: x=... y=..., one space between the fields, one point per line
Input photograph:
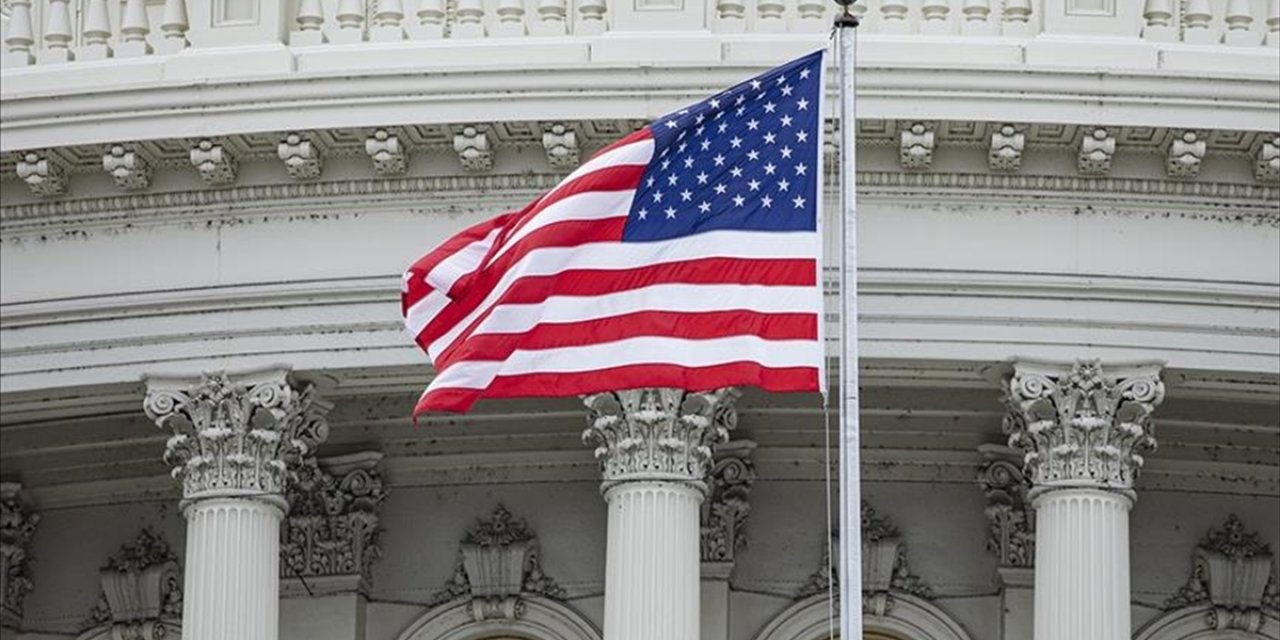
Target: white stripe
x=676 y=298
x=631 y=255
x=588 y=205
x=479 y=374
x=447 y=272
x=638 y=152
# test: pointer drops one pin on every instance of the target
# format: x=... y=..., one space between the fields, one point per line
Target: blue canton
x=746 y=158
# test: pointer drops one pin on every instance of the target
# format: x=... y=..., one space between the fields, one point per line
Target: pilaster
x=655 y=451
x=18 y=520
x=1011 y=537
x=723 y=529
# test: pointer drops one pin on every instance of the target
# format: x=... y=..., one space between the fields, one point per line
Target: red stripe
x=635 y=136
x=691 y=325
x=798 y=272
x=418 y=287
x=611 y=178
x=785 y=379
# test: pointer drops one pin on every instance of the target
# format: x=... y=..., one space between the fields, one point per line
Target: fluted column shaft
x=654 y=446
x=233 y=443
x=1083 y=430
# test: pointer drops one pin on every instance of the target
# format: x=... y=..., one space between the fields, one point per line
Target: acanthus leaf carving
x=332 y=525
x=725 y=510
x=18 y=522
x=1009 y=514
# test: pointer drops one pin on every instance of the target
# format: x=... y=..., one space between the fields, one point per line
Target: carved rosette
x=236 y=437
x=1233 y=572
x=1082 y=426
x=1012 y=534
x=332 y=526
x=658 y=434
x=17 y=525
x=725 y=511
x=141 y=590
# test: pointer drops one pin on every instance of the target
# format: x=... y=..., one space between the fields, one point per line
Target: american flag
x=683 y=255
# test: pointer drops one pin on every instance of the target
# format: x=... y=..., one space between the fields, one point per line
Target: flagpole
x=850 y=568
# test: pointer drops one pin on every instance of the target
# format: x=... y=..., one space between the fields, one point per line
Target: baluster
x=310 y=31
x=1239 y=19
x=430 y=21
x=350 y=17
x=21 y=38
x=1158 y=15
x=1273 y=23
x=97 y=32
x=1196 y=17
x=387 y=22
x=935 y=14
x=1016 y=19
x=510 y=18
x=893 y=17
x=134 y=27
x=811 y=16
x=977 y=18
x=591 y=17
x=174 y=26
x=731 y=16
x=770 y=16
x=470 y=24
x=551 y=18
x=57 y=34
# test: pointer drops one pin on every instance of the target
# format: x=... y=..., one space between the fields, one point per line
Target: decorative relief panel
x=18 y=522
x=1081 y=425
x=332 y=525
x=141 y=596
x=658 y=434
x=1234 y=572
x=498 y=563
x=1009 y=515
x=725 y=510
x=884 y=566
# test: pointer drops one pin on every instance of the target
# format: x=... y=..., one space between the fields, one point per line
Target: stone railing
x=49 y=32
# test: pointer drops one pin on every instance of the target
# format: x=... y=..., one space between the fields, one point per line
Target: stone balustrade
x=51 y=32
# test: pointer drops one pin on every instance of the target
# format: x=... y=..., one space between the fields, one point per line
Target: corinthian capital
x=1080 y=425
x=658 y=434
x=236 y=436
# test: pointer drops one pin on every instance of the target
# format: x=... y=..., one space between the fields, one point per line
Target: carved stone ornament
x=1266 y=166
x=128 y=168
x=916 y=146
x=1009 y=514
x=141 y=595
x=1097 y=148
x=215 y=163
x=884 y=566
x=658 y=434
x=1007 y=143
x=303 y=157
x=332 y=525
x=387 y=153
x=1233 y=571
x=1082 y=426
x=498 y=564
x=474 y=151
x=17 y=525
x=561 y=145
x=43 y=173
x=236 y=437
x=1186 y=154
x=725 y=511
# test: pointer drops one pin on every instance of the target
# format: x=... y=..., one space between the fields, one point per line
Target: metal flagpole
x=850 y=571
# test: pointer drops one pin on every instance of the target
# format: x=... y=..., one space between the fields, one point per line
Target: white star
x=736 y=172
x=704 y=207
x=683 y=112
x=783 y=184
x=706 y=144
x=643 y=213
x=769 y=169
x=698 y=132
x=657 y=196
x=665 y=164
x=719 y=160
x=671 y=213
x=753 y=155
x=671 y=179
x=753 y=124
x=649 y=182
x=799 y=201
x=804 y=74
x=766 y=201
x=800 y=169
x=786 y=90
x=735 y=142
x=754 y=185
x=755 y=84
x=802 y=136
x=786 y=152
x=781 y=79
x=740 y=111
x=802 y=104
x=671 y=124
x=770 y=107
x=688 y=162
x=698 y=120
x=720 y=189
x=682 y=147
x=686 y=195
x=768 y=137
x=741 y=99
x=718 y=115
x=702 y=177
x=738 y=201
x=715 y=103
x=785 y=120
x=722 y=127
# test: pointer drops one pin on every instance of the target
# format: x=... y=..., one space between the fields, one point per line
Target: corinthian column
x=232 y=445
x=1083 y=430
x=654 y=447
